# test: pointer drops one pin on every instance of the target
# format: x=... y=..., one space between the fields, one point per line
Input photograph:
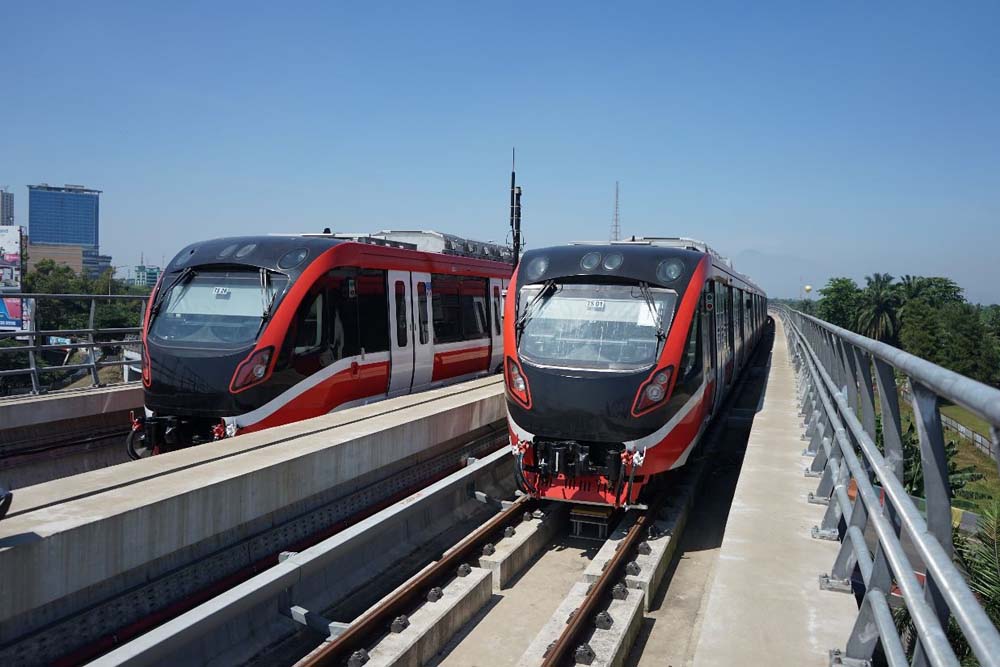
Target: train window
x=422 y=311
x=401 y=313
x=309 y=328
x=691 y=360
x=599 y=326
x=212 y=309
x=447 y=308
x=497 y=304
x=342 y=309
x=475 y=324
x=373 y=310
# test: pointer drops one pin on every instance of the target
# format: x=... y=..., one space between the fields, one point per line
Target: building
x=94 y=263
x=145 y=276
x=68 y=255
x=6 y=208
x=67 y=215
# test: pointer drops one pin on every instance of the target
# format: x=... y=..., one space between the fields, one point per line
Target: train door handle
x=355 y=369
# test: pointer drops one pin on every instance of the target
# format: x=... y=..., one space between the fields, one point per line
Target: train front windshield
x=596 y=327
x=216 y=308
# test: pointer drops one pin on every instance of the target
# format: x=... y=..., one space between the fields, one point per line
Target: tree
x=991 y=319
x=921 y=331
x=967 y=347
x=838 y=302
x=877 y=308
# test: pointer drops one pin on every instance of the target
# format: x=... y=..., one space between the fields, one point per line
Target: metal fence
x=90 y=338
x=981 y=442
x=839 y=373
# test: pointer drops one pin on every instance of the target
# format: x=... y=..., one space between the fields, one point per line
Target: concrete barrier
x=90 y=535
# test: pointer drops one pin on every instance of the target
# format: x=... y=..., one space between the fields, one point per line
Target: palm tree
x=911 y=287
x=876 y=315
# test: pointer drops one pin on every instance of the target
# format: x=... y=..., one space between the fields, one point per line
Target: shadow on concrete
x=20 y=538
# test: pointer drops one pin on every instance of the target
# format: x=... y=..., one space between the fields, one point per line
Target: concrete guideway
x=46 y=409
x=120 y=524
x=765 y=606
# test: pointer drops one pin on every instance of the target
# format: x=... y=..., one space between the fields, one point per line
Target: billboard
x=10 y=259
x=11 y=315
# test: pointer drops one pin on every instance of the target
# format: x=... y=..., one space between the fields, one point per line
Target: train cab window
x=691 y=359
x=309 y=328
x=373 y=310
x=401 y=313
x=342 y=313
x=422 y=311
x=497 y=304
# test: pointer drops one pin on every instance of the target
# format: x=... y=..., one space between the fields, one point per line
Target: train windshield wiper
x=267 y=297
x=181 y=277
x=648 y=296
x=529 y=309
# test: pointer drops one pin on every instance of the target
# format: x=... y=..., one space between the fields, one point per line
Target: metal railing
x=981 y=442
x=90 y=338
x=841 y=375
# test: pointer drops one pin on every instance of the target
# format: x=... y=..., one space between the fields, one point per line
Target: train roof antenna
x=515 y=208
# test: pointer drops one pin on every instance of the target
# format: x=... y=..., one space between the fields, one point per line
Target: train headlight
x=537 y=268
x=669 y=270
x=590 y=261
x=653 y=392
x=516 y=384
x=252 y=370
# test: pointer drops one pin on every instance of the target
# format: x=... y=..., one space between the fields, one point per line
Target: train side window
x=309 y=328
x=497 y=304
x=691 y=360
x=401 y=313
x=475 y=324
x=373 y=310
x=447 y=308
x=342 y=311
x=422 y=308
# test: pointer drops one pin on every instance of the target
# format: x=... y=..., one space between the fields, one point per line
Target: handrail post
x=93 y=353
x=32 y=343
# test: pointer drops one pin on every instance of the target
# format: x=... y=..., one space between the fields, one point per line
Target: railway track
x=598 y=609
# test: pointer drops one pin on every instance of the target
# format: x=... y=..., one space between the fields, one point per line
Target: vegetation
x=978 y=556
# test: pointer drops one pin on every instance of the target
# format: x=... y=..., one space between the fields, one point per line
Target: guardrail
x=839 y=374
x=93 y=338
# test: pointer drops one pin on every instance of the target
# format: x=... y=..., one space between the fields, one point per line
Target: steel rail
x=375 y=622
x=582 y=618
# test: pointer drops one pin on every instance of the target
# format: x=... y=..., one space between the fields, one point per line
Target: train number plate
x=595 y=304
x=221 y=292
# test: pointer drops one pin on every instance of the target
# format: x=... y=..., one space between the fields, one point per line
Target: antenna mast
x=616 y=228
x=515 y=209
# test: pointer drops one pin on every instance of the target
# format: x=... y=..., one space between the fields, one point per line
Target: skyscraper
x=6 y=208
x=67 y=215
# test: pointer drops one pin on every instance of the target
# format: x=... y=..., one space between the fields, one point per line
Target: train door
x=401 y=330
x=709 y=341
x=423 y=335
x=496 y=322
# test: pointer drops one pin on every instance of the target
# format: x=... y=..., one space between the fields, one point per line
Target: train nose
x=193 y=383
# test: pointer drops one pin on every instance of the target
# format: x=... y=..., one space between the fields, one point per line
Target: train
x=242 y=334
x=616 y=357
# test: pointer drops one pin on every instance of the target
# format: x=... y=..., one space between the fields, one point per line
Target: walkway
x=765 y=605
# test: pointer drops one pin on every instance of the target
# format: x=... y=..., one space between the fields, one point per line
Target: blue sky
x=802 y=139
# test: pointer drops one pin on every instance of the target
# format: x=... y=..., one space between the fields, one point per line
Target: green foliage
x=922 y=331
x=876 y=315
x=969 y=349
x=839 y=302
x=978 y=556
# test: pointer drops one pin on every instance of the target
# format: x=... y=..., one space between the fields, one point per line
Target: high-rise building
x=67 y=215
x=94 y=263
x=145 y=276
x=6 y=208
